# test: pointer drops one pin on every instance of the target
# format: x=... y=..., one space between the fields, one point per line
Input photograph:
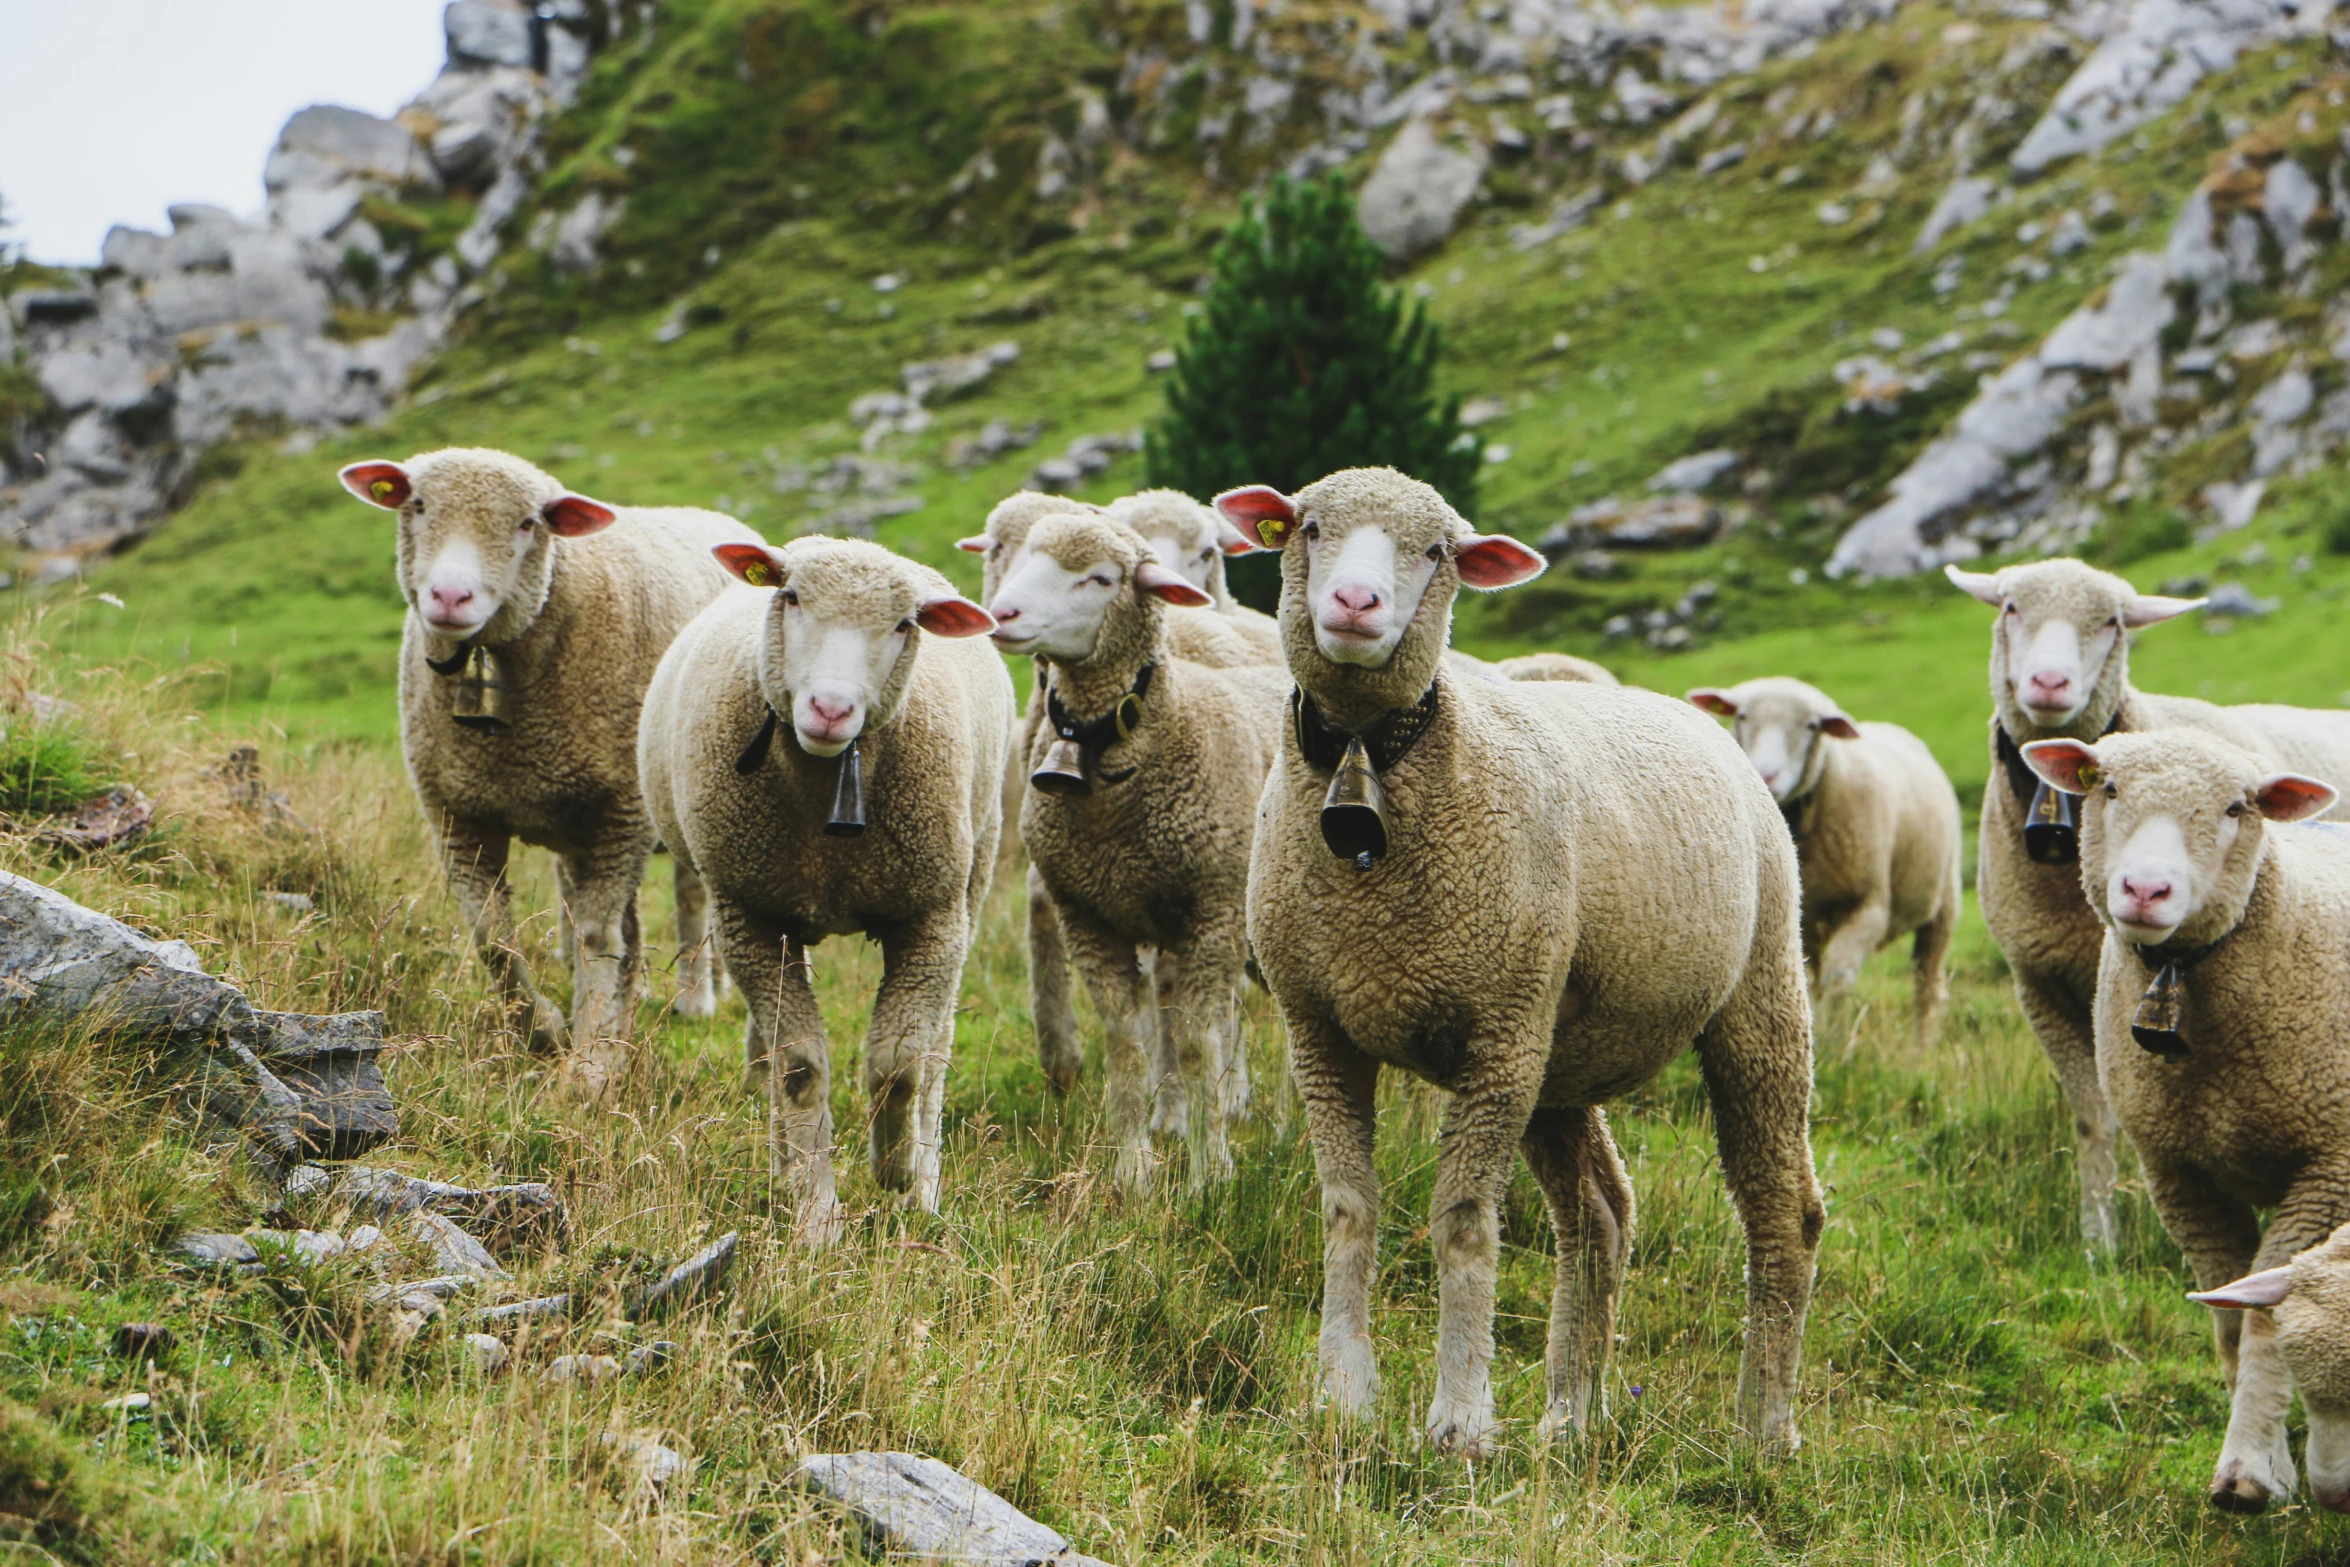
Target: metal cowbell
x=2160 y=1012
x=481 y=701
x=848 y=796
x=2050 y=836
x=1063 y=770
x=1354 y=812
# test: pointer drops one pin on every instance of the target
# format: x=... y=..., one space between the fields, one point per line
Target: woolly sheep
x=2310 y=1299
x=1876 y=830
x=839 y=657
x=2222 y=1007
x=1193 y=540
x=1511 y=947
x=1154 y=854
x=578 y=600
x=2060 y=669
x=1555 y=666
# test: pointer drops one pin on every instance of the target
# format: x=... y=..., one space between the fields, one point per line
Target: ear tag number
x=1273 y=530
x=757 y=574
x=383 y=491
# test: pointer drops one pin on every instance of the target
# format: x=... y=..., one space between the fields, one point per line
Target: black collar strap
x=1388 y=737
x=2050 y=834
x=454 y=662
x=2022 y=782
x=756 y=752
x=1096 y=735
x=2156 y=1025
x=848 y=791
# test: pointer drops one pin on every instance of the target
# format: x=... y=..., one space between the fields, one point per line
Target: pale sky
x=112 y=110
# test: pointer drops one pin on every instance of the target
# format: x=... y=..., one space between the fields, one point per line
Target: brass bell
x=2160 y=1012
x=481 y=693
x=1354 y=812
x=2050 y=837
x=848 y=797
x=1063 y=771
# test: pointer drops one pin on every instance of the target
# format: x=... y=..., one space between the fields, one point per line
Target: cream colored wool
x=578 y=639
x=1580 y=881
x=1877 y=838
x=2257 y=1113
x=1555 y=666
x=1158 y=861
x=932 y=749
x=2310 y=1297
x=2036 y=914
x=1190 y=538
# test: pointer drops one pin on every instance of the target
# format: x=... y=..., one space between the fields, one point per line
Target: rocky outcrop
x=304 y=316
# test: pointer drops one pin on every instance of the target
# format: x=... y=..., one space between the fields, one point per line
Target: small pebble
x=590 y=1369
x=487 y=1351
x=129 y=1401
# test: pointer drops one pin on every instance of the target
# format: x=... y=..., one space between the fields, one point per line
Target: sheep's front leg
x=1848 y=946
x=697 y=955
x=2062 y=1024
x=906 y=1053
x=1339 y=1085
x=1478 y=1149
x=1756 y=1057
x=1197 y=998
x=1121 y=994
x=2222 y=1241
x=473 y=857
x=1582 y=1177
x=1049 y=1006
x=607 y=956
x=1929 y=968
x=787 y=1029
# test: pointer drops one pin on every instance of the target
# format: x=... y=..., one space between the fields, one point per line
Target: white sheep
x=826 y=747
x=2060 y=669
x=2310 y=1299
x=1535 y=896
x=1193 y=540
x=2221 y=1014
x=1876 y=829
x=535 y=617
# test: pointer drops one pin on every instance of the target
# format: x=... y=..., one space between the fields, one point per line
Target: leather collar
x=1388 y=737
x=2021 y=780
x=1096 y=735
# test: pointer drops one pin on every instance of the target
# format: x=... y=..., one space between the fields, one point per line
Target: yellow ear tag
x=383 y=491
x=1273 y=530
x=757 y=573
x=2090 y=775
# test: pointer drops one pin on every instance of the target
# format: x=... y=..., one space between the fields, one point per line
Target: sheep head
x=1086 y=588
x=477 y=537
x=1002 y=543
x=1371 y=562
x=2060 y=649
x=2311 y=1298
x=839 y=645
x=1191 y=538
x=1779 y=724
x=2172 y=827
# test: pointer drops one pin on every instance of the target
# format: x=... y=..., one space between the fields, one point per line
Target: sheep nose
x=2144 y=893
x=2051 y=685
x=1356 y=600
x=831 y=712
x=450 y=600
x=1004 y=614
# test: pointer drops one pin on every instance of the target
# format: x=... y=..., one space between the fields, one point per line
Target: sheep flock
x=1523 y=883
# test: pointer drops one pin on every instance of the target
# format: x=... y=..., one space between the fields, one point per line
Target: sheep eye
x=1313 y=531
x=2111 y=792
x=2236 y=809
x=1436 y=552
x=790 y=598
x=905 y=625
x=2010 y=610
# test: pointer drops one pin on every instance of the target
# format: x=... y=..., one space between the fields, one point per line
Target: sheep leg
x=1121 y=994
x=907 y=1050
x=1196 y=999
x=473 y=858
x=2063 y=1026
x=1049 y=1004
x=1339 y=1085
x=1756 y=1059
x=1170 y=1106
x=607 y=957
x=565 y=936
x=1847 y=949
x=1590 y=1197
x=1929 y=968
x=2222 y=1241
x=697 y=980
x=1476 y=1153
x=786 y=1027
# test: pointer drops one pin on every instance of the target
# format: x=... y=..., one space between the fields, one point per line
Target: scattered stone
x=653 y=1464
x=1498 y=453
x=1596 y=564
x=956 y=373
x=521 y=1310
x=121 y=815
x=1160 y=362
x=144 y=1340
x=2234 y=505
x=1721 y=158
x=993 y=440
x=913 y=1506
x=293 y=902
x=486 y=1353
x=2150 y=62
x=1695 y=472
x=2237 y=601
x=691 y=1280
x=127 y=1402
x=588 y=1370
x=648 y=1358
x=215 y=1250
x=1417 y=191
x=1565 y=218
x=505 y=1217
x=2071 y=235
x=437 y=1289
x=2185 y=587
x=454 y=1251
x=1965 y=202
x=1834 y=214
x=1673 y=521
x=1085 y=457
x=1483 y=410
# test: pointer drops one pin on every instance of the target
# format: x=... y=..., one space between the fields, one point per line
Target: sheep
x=572 y=612
x=828 y=771
x=2060 y=669
x=1149 y=846
x=1555 y=666
x=2310 y=1299
x=2222 y=1003
x=1479 y=906
x=1876 y=830
x=1193 y=540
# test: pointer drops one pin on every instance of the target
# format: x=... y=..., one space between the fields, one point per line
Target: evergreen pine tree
x=1302 y=361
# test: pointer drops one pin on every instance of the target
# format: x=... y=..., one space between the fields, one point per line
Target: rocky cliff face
x=310 y=314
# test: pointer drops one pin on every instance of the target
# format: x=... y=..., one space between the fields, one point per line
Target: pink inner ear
x=954 y=617
x=1841 y=727
x=575 y=516
x=2059 y=763
x=976 y=544
x=2289 y=797
x=753 y=563
x=1252 y=504
x=1493 y=560
x=1172 y=587
x=382 y=484
x=1236 y=545
x=2268 y=1287
x=1714 y=701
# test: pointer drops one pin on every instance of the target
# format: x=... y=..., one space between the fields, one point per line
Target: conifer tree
x=1301 y=361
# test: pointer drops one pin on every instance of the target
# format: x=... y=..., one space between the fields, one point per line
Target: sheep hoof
x=1134 y=1169
x=2247 y=1486
x=1560 y=1426
x=1350 y=1379
x=548 y=1036
x=1463 y=1428
x=820 y=1225
x=586 y=1079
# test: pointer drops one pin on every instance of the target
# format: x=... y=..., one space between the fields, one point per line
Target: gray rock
x=691 y=1280
x=524 y=1310
x=572 y=242
x=1965 y=202
x=1672 y=521
x=2107 y=336
x=92 y=446
x=454 y=1251
x=1697 y=471
x=2143 y=68
x=328 y=157
x=2235 y=599
x=216 y=1250
x=525 y=1214
x=653 y=1465
x=911 y=1506
x=956 y=373
x=648 y=1358
x=477 y=122
x=1417 y=191
x=53 y=306
x=487 y=33
x=588 y=1370
x=486 y=1353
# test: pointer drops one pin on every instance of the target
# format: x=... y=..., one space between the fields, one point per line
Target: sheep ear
x=2148 y=609
x=1494 y=560
x=953 y=616
x=1983 y=585
x=1259 y=513
x=1715 y=701
x=2290 y=797
x=382 y=484
x=1231 y=541
x=976 y=544
x=755 y=564
x=1840 y=726
x=2063 y=764
x=575 y=516
x=1170 y=586
x=2251 y=1292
